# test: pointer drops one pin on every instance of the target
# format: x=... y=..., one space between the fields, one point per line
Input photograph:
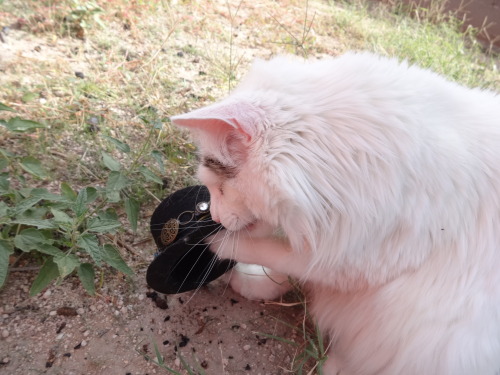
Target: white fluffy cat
x=384 y=182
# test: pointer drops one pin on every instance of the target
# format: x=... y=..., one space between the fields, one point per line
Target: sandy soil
x=64 y=331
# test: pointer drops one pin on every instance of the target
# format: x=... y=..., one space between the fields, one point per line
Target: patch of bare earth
x=63 y=331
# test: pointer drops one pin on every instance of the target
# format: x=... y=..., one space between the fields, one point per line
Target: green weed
x=72 y=231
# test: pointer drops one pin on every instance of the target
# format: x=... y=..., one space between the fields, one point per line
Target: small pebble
x=5 y=360
x=80 y=75
x=53 y=313
x=83 y=343
x=177 y=362
x=86 y=333
x=47 y=294
x=80 y=311
x=5 y=334
x=246 y=347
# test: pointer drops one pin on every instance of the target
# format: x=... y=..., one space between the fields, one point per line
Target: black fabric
x=186 y=263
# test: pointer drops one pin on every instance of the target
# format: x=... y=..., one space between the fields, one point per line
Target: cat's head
x=227 y=133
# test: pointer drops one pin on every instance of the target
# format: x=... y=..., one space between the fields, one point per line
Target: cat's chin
x=257 y=228
x=251 y=226
x=243 y=227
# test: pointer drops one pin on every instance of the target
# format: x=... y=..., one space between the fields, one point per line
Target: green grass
x=439 y=46
x=146 y=60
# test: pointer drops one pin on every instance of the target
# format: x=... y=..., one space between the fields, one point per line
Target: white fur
x=385 y=180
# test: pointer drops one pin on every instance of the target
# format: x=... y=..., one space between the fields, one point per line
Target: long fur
x=385 y=180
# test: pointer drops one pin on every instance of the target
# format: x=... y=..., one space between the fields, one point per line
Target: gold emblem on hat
x=169 y=231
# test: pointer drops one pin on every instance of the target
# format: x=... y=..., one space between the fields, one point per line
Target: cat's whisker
x=199 y=257
x=232 y=269
x=194 y=226
x=213 y=262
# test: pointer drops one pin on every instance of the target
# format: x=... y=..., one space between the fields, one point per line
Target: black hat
x=179 y=225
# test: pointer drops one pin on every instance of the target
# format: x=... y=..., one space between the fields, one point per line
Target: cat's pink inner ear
x=239 y=115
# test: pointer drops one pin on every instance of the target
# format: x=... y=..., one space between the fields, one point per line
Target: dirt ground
x=64 y=331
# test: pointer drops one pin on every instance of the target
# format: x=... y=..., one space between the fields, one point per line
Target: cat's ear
x=223 y=116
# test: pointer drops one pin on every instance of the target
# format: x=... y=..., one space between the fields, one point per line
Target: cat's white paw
x=223 y=244
x=256 y=282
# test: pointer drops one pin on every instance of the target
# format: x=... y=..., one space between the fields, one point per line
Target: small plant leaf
x=66 y=264
x=68 y=192
x=5 y=250
x=30 y=239
x=85 y=197
x=92 y=194
x=110 y=163
x=19 y=125
x=61 y=217
x=46 y=195
x=6 y=153
x=177 y=159
x=29 y=97
x=4 y=183
x=149 y=175
x=86 y=274
x=47 y=274
x=4 y=163
x=132 y=208
x=33 y=166
x=109 y=214
x=49 y=250
x=102 y=225
x=112 y=257
x=158 y=156
x=38 y=223
x=121 y=146
x=4 y=209
x=115 y=184
x=25 y=205
x=157 y=124
x=90 y=244
x=3 y=107
x=80 y=206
